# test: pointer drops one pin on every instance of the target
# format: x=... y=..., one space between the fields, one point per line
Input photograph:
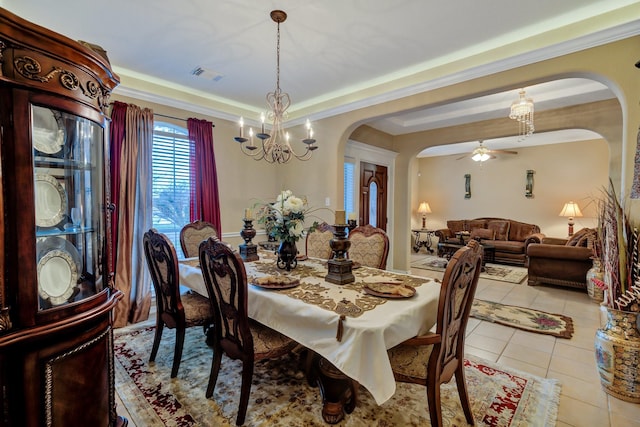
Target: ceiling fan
x=482 y=153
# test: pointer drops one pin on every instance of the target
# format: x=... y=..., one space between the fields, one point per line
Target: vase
x=617 y=351
x=287 y=252
x=595 y=292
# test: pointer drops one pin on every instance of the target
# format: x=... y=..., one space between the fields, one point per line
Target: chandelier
x=522 y=111
x=275 y=147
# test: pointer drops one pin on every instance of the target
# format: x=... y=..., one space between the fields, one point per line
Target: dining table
x=350 y=325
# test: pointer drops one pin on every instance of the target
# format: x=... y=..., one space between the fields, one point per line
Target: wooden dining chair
x=193 y=234
x=369 y=246
x=234 y=333
x=175 y=311
x=317 y=243
x=433 y=359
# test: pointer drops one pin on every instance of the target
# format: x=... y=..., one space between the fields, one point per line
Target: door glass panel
x=373 y=204
x=68 y=185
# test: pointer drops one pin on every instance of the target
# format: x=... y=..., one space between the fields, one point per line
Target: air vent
x=207 y=74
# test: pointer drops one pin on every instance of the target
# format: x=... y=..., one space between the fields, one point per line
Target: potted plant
x=617 y=344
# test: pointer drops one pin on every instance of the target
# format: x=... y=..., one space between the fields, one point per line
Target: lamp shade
x=570 y=209
x=424 y=208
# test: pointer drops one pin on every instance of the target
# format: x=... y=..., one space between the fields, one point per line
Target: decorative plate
x=48 y=135
x=57 y=276
x=51 y=201
x=46 y=244
x=276 y=282
x=389 y=290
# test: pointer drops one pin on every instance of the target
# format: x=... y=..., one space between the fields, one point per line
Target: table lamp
x=424 y=209
x=570 y=210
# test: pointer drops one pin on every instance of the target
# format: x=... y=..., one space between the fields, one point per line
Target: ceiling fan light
x=480 y=157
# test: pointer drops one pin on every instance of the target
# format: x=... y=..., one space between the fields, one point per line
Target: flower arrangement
x=618 y=248
x=284 y=219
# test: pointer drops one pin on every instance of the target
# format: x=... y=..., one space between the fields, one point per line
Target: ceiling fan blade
x=462 y=157
x=503 y=151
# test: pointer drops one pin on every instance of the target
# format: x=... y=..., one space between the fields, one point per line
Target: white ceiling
x=335 y=54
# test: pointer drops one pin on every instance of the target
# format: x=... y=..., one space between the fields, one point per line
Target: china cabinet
x=56 y=298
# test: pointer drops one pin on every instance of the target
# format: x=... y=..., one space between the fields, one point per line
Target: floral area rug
x=503 y=273
x=523 y=318
x=280 y=395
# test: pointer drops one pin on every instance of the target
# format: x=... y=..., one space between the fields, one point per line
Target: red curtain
x=205 y=200
x=117 y=133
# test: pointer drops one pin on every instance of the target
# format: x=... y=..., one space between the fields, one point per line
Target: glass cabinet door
x=68 y=183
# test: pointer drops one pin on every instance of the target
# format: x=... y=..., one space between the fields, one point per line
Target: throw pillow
x=476 y=223
x=483 y=233
x=501 y=229
x=581 y=238
x=455 y=226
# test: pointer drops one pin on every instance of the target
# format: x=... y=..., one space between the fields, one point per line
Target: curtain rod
x=175 y=118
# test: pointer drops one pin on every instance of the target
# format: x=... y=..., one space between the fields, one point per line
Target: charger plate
x=57 y=276
x=48 y=135
x=384 y=290
x=50 y=200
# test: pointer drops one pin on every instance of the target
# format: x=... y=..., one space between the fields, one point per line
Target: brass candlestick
x=248 y=251
x=339 y=266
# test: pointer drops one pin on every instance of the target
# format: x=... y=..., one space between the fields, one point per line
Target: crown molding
x=588 y=41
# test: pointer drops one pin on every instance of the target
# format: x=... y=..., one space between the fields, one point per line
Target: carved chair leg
x=435 y=411
x=245 y=390
x=215 y=369
x=464 y=395
x=156 y=340
x=177 y=353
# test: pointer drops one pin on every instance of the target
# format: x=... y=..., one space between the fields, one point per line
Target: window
x=171 y=189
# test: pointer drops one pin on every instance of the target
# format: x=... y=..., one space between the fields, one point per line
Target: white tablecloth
x=362 y=352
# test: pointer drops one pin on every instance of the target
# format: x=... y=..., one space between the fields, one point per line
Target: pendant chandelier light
x=522 y=111
x=275 y=147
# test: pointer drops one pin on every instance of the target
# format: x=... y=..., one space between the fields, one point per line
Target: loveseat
x=509 y=237
x=563 y=262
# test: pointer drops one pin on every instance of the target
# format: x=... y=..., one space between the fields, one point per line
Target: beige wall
x=571 y=171
x=242 y=179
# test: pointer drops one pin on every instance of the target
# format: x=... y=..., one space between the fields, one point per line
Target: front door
x=373 y=195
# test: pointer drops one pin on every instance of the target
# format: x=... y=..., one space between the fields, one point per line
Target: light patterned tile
x=494 y=330
x=486 y=343
x=522 y=366
x=580 y=414
x=624 y=409
x=527 y=355
x=536 y=341
x=578 y=354
x=575 y=369
x=584 y=391
x=484 y=354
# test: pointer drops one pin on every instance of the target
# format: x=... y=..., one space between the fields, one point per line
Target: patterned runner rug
x=527 y=319
x=280 y=395
x=504 y=273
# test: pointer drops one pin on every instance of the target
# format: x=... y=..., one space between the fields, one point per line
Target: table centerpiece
x=284 y=220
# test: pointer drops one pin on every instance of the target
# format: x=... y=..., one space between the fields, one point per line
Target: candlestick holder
x=339 y=266
x=248 y=251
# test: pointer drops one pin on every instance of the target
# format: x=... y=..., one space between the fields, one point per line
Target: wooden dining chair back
x=317 y=244
x=234 y=333
x=369 y=246
x=433 y=359
x=193 y=234
x=175 y=311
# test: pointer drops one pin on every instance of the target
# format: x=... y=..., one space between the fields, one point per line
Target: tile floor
x=582 y=401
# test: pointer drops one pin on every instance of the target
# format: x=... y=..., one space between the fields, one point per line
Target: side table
x=419 y=242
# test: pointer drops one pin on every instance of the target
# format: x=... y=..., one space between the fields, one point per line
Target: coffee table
x=448 y=249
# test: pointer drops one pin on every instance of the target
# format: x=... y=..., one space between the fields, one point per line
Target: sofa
x=510 y=238
x=562 y=262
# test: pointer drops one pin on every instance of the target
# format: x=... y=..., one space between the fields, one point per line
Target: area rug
x=503 y=273
x=527 y=319
x=280 y=395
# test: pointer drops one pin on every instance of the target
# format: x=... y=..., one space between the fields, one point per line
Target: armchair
x=563 y=262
